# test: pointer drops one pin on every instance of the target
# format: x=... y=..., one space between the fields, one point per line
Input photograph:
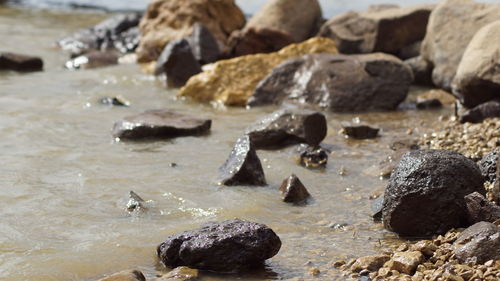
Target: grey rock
x=425 y=194
x=478 y=114
x=341 y=83
x=479 y=243
x=203 y=44
x=489 y=165
x=377 y=206
x=225 y=246
x=117 y=101
x=293 y=191
x=160 y=124
x=243 y=166
x=288 y=126
x=21 y=63
x=359 y=131
x=135 y=202
x=93 y=59
x=481 y=209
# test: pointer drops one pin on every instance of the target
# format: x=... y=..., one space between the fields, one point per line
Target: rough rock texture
x=359 y=131
x=288 y=126
x=422 y=71
x=225 y=246
x=277 y=24
x=481 y=209
x=232 y=82
x=342 y=83
x=93 y=59
x=371 y=263
x=181 y=273
x=293 y=191
x=425 y=195
x=451 y=26
x=481 y=112
x=480 y=242
x=177 y=61
x=478 y=75
x=488 y=165
x=128 y=275
x=167 y=20
x=312 y=156
x=405 y=262
x=160 y=124
x=385 y=29
x=135 y=202
x=203 y=44
x=243 y=166
x=119 y=32
x=18 y=62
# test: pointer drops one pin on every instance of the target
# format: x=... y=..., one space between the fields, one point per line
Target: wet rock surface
x=160 y=124
x=116 y=101
x=203 y=45
x=377 y=206
x=226 y=246
x=181 y=273
x=479 y=243
x=288 y=126
x=477 y=79
x=225 y=83
x=478 y=114
x=312 y=157
x=92 y=59
x=135 y=202
x=243 y=166
x=414 y=204
x=481 y=209
x=341 y=83
x=177 y=61
x=359 y=131
x=451 y=27
x=119 y=32
x=167 y=20
x=385 y=29
x=132 y=275
x=293 y=191
x=21 y=63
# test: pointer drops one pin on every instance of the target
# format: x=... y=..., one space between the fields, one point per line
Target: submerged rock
x=226 y=83
x=93 y=59
x=425 y=195
x=481 y=112
x=225 y=246
x=117 y=101
x=181 y=273
x=135 y=202
x=481 y=209
x=377 y=206
x=451 y=26
x=293 y=191
x=177 y=61
x=478 y=77
x=288 y=126
x=378 y=29
x=127 y=275
x=341 y=83
x=243 y=166
x=313 y=156
x=479 y=243
x=168 y=20
x=160 y=124
x=359 y=131
x=21 y=63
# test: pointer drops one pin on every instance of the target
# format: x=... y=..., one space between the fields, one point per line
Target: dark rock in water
x=313 y=157
x=21 y=63
x=422 y=71
x=118 y=32
x=288 y=126
x=293 y=191
x=483 y=111
x=118 y=101
x=429 y=103
x=127 y=275
x=407 y=144
x=203 y=44
x=135 y=202
x=479 y=243
x=359 y=131
x=243 y=166
x=93 y=59
x=489 y=165
x=481 y=209
x=377 y=207
x=226 y=246
x=255 y=40
x=178 y=63
x=426 y=191
x=160 y=124
x=341 y=83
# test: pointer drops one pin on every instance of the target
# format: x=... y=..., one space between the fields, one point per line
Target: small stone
x=135 y=202
x=118 y=101
x=21 y=63
x=314 y=271
x=478 y=114
x=313 y=157
x=481 y=209
x=359 y=131
x=488 y=165
x=405 y=262
x=94 y=59
x=293 y=191
x=133 y=275
x=371 y=263
x=479 y=243
x=429 y=103
x=181 y=273
x=426 y=247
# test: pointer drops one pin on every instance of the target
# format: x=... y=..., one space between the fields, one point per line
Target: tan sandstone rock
x=405 y=262
x=167 y=20
x=232 y=82
x=127 y=275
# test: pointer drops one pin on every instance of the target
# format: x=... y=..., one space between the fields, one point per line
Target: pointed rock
x=135 y=202
x=203 y=44
x=293 y=191
x=243 y=166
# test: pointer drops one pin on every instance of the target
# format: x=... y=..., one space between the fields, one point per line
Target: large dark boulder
x=481 y=209
x=21 y=63
x=160 y=124
x=226 y=246
x=342 y=83
x=479 y=243
x=478 y=114
x=243 y=166
x=426 y=191
x=288 y=126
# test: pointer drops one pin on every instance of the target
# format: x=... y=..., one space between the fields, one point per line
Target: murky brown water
x=64 y=181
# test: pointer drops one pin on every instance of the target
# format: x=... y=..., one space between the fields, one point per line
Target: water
x=64 y=181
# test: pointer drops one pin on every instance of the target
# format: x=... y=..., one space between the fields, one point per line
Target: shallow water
x=64 y=181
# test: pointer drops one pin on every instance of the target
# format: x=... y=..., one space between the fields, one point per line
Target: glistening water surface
x=64 y=181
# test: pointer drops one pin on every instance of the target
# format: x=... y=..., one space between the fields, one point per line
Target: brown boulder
x=451 y=26
x=478 y=114
x=480 y=243
x=167 y=20
x=293 y=191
